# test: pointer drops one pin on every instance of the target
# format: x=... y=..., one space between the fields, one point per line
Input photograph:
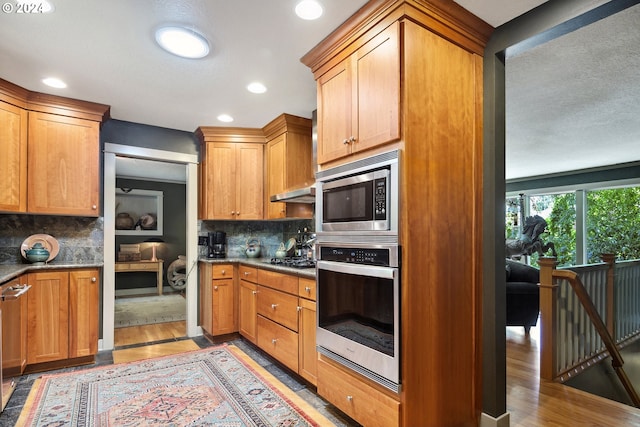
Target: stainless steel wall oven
x=358 y=267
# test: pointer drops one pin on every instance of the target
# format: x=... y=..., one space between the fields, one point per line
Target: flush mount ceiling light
x=182 y=42
x=225 y=118
x=309 y=9
x=256 y=87
x=54 y=82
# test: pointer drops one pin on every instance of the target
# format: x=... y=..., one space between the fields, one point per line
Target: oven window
x=359 y=308
x=349 y=203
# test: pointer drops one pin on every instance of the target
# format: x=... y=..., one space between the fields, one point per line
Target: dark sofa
x=523 y=294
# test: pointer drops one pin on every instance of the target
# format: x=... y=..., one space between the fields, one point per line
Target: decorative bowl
x=38 y=254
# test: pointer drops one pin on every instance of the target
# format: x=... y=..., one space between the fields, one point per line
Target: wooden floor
x=531 y=402
x=535 y=402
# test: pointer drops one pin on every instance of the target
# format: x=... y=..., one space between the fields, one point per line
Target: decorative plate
x=49 y=242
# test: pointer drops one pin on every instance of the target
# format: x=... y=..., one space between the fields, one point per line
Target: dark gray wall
x=139 y=135
x=552 y=19
x=174 y=231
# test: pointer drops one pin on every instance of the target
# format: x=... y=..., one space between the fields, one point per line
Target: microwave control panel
x=367 y=256
x=380 y=198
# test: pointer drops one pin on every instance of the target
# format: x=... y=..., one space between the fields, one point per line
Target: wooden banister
x=594 y=316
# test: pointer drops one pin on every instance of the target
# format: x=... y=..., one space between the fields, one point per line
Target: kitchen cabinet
x=63 y=162
x=13 y=162
x=359 y=99
x=289 y=164
x=218 y=299
x=307 y=354
x=248 y=303
x=62 y=307
x=425 y=59
x=14 y=329
x=56 y=140
x=231 y=174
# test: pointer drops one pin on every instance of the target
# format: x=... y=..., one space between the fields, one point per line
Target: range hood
x=301 y=195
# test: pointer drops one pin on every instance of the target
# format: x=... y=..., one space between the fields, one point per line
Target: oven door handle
x=15 y=292
x=358 y=269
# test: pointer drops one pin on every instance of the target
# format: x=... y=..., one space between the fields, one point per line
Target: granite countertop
x=11 y=271
x=264 y=263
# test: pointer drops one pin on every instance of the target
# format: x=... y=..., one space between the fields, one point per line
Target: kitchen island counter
x=263 y=263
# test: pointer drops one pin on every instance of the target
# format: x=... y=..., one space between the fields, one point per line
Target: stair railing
x=548 y=295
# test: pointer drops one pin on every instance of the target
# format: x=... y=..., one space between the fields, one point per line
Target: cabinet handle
x=346 y=141
x=307 y=289
x=273 y=341
x=298 y=308
x=94 y=207
x=223 y=272
x=233 y=213
x=215 y=288
x=238 y=213
x=246 y=273
x=352 y=139
x=254 y=292
x=94 y=280
x=274 y=306
x=350 y=398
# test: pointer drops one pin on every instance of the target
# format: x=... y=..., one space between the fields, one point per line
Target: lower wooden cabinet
x=358 y=398
x=248 y=310
x=218 y=299
x=62 y=319
x=307 y=354
x=279 y=342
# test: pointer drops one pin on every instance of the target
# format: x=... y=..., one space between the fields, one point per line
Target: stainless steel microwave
x=359 y=197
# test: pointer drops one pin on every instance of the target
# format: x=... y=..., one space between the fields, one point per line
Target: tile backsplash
x=81 y=239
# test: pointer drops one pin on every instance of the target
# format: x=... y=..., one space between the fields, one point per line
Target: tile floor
x=12 y=411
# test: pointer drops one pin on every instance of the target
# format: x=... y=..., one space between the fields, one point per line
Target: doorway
x=169 y=162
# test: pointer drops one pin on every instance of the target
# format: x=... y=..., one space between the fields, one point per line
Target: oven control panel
x=367 y=256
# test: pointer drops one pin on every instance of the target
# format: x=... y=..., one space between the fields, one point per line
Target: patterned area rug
x=149 y=310
x=215 y=386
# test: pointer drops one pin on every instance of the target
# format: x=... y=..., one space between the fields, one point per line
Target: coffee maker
x=216 y=244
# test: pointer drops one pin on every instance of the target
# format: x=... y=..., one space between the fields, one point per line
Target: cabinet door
x=250 y=181
x=276 y=171
x=334 y=112
x=13 y=162
x=48 y=316
x=206 y=298
x=63 y=162
x=14 y=335
x=307 y=354
x=377 y=66
x=224 y=314
x=84 y=288
x=221 y=177
x=248 y=310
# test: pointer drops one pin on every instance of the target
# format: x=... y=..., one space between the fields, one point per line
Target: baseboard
x=489 y=421
x=143 y=291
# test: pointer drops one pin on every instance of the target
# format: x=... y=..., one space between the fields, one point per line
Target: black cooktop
x=294 y=262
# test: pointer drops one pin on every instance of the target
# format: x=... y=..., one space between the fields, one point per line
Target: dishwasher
x=13 y=335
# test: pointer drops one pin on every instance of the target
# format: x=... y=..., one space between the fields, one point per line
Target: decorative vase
x=124 y=221
x=38 y=254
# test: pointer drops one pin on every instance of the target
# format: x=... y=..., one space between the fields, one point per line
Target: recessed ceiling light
x=225 y=118
x=309 y=9
x=182 y=42
x=256 y=87
x=54 y=82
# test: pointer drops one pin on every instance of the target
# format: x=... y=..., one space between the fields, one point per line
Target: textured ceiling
x=556 y=102
x=574 y=102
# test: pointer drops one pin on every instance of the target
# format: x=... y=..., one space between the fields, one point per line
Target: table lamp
x=154 y=243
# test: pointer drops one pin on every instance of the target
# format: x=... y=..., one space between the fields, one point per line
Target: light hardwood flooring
x=534 y=402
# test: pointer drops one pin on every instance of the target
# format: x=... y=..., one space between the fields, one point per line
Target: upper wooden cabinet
x=289 y=164
x=52 y=153
x=231 y=173
x=64 y=161
x=13 y=162
x=359 y=99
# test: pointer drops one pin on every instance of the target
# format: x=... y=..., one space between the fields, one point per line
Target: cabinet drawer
x=356 y=398
x=222 y=271
x=307 y=288
x=279 y=307
x=279 y=342
x=250 y=274
x=282 y=282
